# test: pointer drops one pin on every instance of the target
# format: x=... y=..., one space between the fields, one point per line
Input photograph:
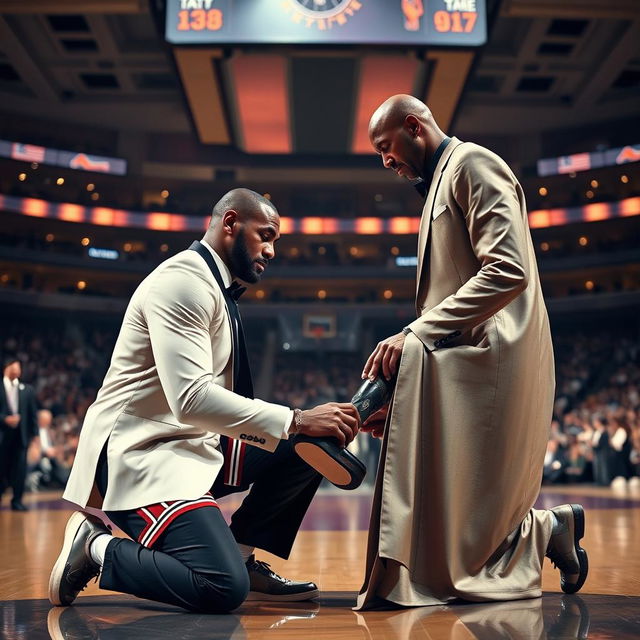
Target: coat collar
x=427 y=211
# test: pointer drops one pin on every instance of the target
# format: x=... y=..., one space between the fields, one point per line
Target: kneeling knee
x=225 y=594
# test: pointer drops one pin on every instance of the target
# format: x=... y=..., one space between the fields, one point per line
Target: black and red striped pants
x=184 y=553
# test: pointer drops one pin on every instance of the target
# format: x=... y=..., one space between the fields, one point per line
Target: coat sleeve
x=179 y=310
x=485 y=191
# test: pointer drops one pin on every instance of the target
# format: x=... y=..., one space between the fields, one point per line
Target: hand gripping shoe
x=338 y=465
x=75 y=567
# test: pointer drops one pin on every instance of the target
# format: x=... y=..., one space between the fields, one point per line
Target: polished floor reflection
x=553 y=617
x=330 y=549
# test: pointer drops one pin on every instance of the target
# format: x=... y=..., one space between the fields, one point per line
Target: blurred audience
x=594 y=436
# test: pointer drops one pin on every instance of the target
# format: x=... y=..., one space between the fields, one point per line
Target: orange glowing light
x=35 y=207
x=313 y=226
x=370 y=226
x=71 y=212
x=159 y=221
x=103 y=216
x=286 y=225
x=596 y=211
x=629 y=207
x=404 y=225
x=539 y=219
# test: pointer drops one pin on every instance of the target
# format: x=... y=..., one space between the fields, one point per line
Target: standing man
x=168 y=431
x=18 y=426
x=466 y=431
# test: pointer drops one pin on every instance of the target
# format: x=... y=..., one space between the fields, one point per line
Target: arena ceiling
x=547 y=65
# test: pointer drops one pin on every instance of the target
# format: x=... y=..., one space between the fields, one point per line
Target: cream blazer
x=167 y=396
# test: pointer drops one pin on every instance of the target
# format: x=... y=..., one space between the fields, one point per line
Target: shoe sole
x=583 y=560
x=70 y=532
x=255 y=596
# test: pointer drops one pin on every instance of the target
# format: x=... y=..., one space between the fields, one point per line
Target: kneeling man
x=168 y=431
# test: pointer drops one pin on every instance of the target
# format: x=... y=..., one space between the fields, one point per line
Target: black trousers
x=195 y=563
x=13 y=463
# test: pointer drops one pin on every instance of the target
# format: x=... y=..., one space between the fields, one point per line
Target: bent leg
x=195 y=564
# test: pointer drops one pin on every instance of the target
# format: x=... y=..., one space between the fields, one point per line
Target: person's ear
x=413 y=126
x=229 y=221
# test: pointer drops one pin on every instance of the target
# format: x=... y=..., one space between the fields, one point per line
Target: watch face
x=321 y=8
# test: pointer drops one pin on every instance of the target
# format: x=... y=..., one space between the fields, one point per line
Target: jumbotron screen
x=459 y=23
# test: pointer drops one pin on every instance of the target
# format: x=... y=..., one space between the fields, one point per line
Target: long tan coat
x=462 y=458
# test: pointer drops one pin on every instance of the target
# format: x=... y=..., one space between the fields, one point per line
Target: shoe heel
x=578 y=519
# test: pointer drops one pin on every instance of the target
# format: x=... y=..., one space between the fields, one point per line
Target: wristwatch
x=297 y=422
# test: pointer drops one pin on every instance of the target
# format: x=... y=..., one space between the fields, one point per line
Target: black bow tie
x=235 y=290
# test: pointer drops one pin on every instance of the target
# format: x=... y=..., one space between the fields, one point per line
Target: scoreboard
x=460 y=23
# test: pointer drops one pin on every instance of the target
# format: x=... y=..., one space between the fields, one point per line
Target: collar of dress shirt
x=10 y=383
x=222 y=267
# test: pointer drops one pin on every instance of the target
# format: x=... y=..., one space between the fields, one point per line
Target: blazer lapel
x=427 y=214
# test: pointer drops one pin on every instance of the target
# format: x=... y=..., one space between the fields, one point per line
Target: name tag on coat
x=441 y=208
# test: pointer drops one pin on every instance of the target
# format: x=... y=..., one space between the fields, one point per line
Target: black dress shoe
x=18 y=506
x=338 y=465
x=265 y=584
x=75 y=566
x=564 y=548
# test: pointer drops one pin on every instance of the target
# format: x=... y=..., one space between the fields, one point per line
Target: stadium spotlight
x=85 y=242
x=543 y=191
x=388 y=294
x=588 y=285
x=95 y=195
x=322 y=294
x=589 y=194
x=545 y=246
x=624 y=179
x=22 y=177
x=60 y=181
x=91 y=186
x=81 y=284
x=165 y=193
x=595 y=184
x=260 y=294
x=164 y=248
x=395 y=251
x=583 y=241
x=49 y=237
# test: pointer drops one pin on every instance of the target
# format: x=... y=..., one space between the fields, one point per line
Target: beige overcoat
x=464 y=444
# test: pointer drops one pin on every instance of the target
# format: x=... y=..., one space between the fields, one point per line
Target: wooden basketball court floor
x=330 y=549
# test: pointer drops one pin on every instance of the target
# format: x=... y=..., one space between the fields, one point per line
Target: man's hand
x=336 y=419
x=374 y=424
x=12 y=420
x=385 y=357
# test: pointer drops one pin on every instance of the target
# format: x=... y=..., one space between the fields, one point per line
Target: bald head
x=403 y=131
x=245 y=202
x=393 y=112
x=243 y=231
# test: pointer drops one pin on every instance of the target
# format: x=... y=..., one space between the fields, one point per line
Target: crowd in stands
x=595 y=433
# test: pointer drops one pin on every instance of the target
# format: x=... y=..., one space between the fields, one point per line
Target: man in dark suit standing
x=18 y=425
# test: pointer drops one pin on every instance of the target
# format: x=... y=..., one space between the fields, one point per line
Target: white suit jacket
x=167 y=395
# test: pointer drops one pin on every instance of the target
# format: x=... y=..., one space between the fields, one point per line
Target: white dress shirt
x=11 y=391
